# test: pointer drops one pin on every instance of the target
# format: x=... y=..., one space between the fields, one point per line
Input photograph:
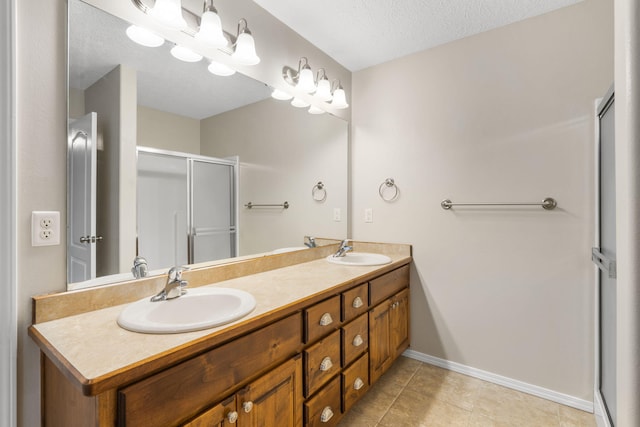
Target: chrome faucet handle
x=174 y=287
x=311 y=242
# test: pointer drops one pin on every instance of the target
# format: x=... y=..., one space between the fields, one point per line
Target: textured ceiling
x=362 y=33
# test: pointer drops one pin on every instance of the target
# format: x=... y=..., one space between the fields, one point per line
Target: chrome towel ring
x=318 y=192
x=385 y=191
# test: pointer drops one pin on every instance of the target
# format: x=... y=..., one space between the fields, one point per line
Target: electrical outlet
x=45 y=228
x=368 y=215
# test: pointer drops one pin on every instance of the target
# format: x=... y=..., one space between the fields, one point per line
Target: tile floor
x=416 y=394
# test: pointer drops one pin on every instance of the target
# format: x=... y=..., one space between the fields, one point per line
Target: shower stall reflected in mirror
x=186 y=208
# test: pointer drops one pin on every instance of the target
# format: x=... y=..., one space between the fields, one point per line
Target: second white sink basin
x=199 y=308
x=360 y=258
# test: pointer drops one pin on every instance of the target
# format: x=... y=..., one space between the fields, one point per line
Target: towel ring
x=388 y=183
x=318 y=192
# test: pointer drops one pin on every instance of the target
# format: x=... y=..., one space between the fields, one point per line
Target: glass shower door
x=213 y=211
x=162 y=209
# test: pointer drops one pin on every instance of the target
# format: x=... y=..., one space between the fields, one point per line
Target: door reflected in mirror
x=143 y=97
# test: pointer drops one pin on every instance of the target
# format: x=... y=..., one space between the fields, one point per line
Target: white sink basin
x=199 y=308
x=360 y=258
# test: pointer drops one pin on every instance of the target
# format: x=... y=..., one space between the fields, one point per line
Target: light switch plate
x=368 y=215
x=337 y=214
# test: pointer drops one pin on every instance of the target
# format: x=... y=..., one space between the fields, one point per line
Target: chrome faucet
x=174 y=287
x=311 y=242
x=344 y=248
x=140 y=268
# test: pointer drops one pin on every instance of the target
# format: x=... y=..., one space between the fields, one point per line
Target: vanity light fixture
x=304 y=79
x=169 y=13
x=299 y=103
x=339 y=97
x=210 y=32
x=324 y=86
x=144 y=37
x=245 y=48
x=185 y=54
x=220 y=69
x=206 y=30
x=281 y=95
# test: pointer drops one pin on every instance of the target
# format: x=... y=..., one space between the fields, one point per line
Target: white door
x=81 y=203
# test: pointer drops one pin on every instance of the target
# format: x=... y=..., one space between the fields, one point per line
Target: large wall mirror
x=123 y=97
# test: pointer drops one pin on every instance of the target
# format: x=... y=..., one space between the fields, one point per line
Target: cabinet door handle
x=326 y=364
x=232 y=417
x=326 y=414
x=357 y=302
x=326 y=319
x=357 y=341
x=358 y=384
x=247 y=406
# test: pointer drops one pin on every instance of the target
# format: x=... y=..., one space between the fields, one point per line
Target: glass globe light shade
x=144 y=37
x=169 y=13
x=339 y=99
x=210 y=32
x=245 y=52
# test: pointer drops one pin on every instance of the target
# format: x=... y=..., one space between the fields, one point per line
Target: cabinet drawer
x=220 y=414
x=321 y=362
x=355 y=302
x=385 y=286
x=174 y=395
x=324 y=409
x=355 y=339
x=355 y=381
x=322 y=318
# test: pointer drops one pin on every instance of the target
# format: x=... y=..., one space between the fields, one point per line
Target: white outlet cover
x=45 y=228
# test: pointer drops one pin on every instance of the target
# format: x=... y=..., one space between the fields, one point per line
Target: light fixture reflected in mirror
x=316 y=110
x=220 y=69
x=169 y=13
x=299 y=103
x=245 y=48
x=281 y=95
x=210 y=32
x=185 y=54
x=144 y=37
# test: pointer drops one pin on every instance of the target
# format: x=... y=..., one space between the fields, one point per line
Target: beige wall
x=284 y=152
x=506 y=115
x=166 y=131
x=41 y=168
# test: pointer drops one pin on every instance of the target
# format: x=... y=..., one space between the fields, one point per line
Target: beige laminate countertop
x=92 y=348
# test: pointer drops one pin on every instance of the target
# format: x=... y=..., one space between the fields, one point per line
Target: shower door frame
x=600 y=411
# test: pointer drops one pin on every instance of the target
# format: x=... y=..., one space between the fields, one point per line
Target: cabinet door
x=399 y=318
x=221 y=415
x=388 y=332
x=275 y=399
x=380 y=352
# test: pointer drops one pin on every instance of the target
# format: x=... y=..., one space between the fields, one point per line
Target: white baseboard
x=534 y=390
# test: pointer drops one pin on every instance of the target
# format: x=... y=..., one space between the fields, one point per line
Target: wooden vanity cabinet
x=306 y=369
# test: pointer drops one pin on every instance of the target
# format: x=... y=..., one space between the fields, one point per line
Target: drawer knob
x=357 y=302
x=326 y=364
x=232 y=417
x=326 y=319
x=358 y=384
x=326 y=414
x=357 y=341
x=247 y=406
